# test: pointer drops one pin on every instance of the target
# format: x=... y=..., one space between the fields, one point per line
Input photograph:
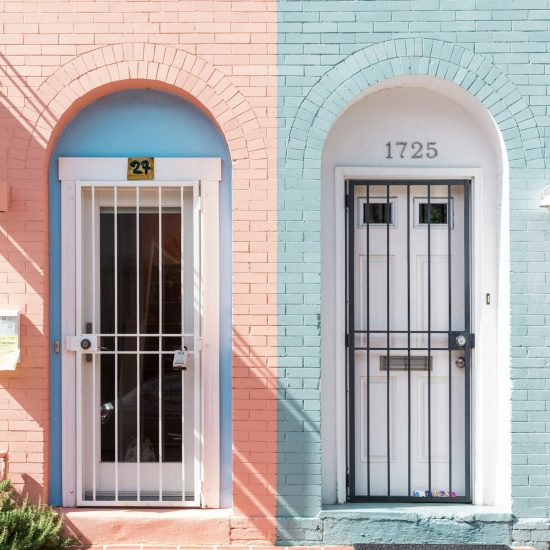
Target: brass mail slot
x=400 y=362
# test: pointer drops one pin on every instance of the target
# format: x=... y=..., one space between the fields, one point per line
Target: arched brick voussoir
x=160 y=64
x=416 y=56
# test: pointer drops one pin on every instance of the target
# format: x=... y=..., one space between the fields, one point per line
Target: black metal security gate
x=409 y=340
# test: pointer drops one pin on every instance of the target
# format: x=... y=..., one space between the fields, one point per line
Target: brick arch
x=376 y=63
x=119 y=66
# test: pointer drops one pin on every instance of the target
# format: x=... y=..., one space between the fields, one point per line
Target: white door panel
x=409 y=293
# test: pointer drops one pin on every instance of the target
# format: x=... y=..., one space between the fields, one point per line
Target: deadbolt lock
x=461 y=340
x=85 y=343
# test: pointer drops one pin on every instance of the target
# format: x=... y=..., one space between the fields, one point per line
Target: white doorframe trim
x=208 y=172
x=479 y=288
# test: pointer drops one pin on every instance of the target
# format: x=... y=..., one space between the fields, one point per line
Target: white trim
x=166 y=169
x=68 y=359
x=479 y=288
x=340 y=337
x=210 y=349
x=206 y=173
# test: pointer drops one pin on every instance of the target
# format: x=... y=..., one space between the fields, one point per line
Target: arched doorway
x=133 y=241
x=421 y=251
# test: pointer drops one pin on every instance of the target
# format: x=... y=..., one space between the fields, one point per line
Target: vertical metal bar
x=388 y=215
x=408 y=340
x=197 y=352
x=450 y=322
x=94 y=330
x=115 y=238
x=93 y=224
x=94 y=427
x=78 y=323
x=468 y=352
x=138 y=347
x=429 y=341
x=182 y=328
x=161 y=328
x=367 y=225
x=351 y=335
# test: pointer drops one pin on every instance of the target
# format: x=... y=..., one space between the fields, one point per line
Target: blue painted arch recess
x=136 y=123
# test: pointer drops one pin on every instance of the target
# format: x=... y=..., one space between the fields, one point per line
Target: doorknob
x=460 y=362
x=85 y=343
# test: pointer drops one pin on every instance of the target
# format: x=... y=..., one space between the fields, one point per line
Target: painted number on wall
x=141 y=168
x=411 y=150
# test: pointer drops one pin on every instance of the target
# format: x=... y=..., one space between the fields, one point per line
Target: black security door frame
x=454 y=337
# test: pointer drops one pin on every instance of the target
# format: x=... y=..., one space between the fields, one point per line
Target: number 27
x=138 y=167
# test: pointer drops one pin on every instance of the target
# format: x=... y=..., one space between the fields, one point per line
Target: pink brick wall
x=57 y=56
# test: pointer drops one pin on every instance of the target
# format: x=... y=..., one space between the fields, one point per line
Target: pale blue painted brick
x=515 y=40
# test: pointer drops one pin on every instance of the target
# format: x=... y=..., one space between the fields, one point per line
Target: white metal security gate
x=137 y=308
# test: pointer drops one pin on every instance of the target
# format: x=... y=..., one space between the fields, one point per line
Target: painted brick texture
x=330 y=51
x=55 y=58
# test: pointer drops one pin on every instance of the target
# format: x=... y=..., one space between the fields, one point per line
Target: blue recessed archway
x=133 y=123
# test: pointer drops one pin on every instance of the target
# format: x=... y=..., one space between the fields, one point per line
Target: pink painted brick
x=222 y=53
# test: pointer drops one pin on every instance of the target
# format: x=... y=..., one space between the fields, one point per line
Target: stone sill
x=414 y=512
x=150 y=525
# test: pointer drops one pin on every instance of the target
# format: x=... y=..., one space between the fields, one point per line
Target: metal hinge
x=347 y=340
x=348 y=491
x=347 y=200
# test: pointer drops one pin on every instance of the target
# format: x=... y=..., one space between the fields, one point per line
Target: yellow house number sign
x=141 y=168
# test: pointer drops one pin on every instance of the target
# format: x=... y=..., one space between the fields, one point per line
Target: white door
x=137 y=270
x=408 y=301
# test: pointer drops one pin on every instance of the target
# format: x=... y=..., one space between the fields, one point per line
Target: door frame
x=206 y=171
x=479 y=274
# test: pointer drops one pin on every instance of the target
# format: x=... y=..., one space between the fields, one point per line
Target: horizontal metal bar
x=141 y=503
x=132 y=352
x=154 y=185
x=373 y=182
x=428 y=500
x=407 y=331
x=384 y=348
x=142 y=335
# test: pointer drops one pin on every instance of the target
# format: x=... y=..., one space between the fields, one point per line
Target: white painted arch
x=470 y=145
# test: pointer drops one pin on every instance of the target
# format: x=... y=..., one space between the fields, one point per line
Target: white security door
x=137 y=343
x=409 y=340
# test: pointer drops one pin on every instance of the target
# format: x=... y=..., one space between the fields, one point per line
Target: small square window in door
x=376 y=211
x=434 y=212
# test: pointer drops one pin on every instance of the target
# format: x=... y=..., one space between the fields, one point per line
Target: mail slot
x=401 y=362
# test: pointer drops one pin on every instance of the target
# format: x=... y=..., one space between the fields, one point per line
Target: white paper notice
x=9 y=346
x=9 y=359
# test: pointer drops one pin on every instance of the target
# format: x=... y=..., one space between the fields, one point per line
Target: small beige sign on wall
x=9 y=339
x=141 y=168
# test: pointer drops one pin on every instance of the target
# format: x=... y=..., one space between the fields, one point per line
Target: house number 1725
x=411 y=149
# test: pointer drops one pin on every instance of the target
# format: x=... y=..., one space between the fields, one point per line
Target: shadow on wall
x=23 y=285
x=254 y=445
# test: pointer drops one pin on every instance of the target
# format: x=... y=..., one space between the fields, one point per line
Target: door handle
x=460 y=362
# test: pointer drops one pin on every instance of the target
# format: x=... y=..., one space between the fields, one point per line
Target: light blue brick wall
x=329 y=51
